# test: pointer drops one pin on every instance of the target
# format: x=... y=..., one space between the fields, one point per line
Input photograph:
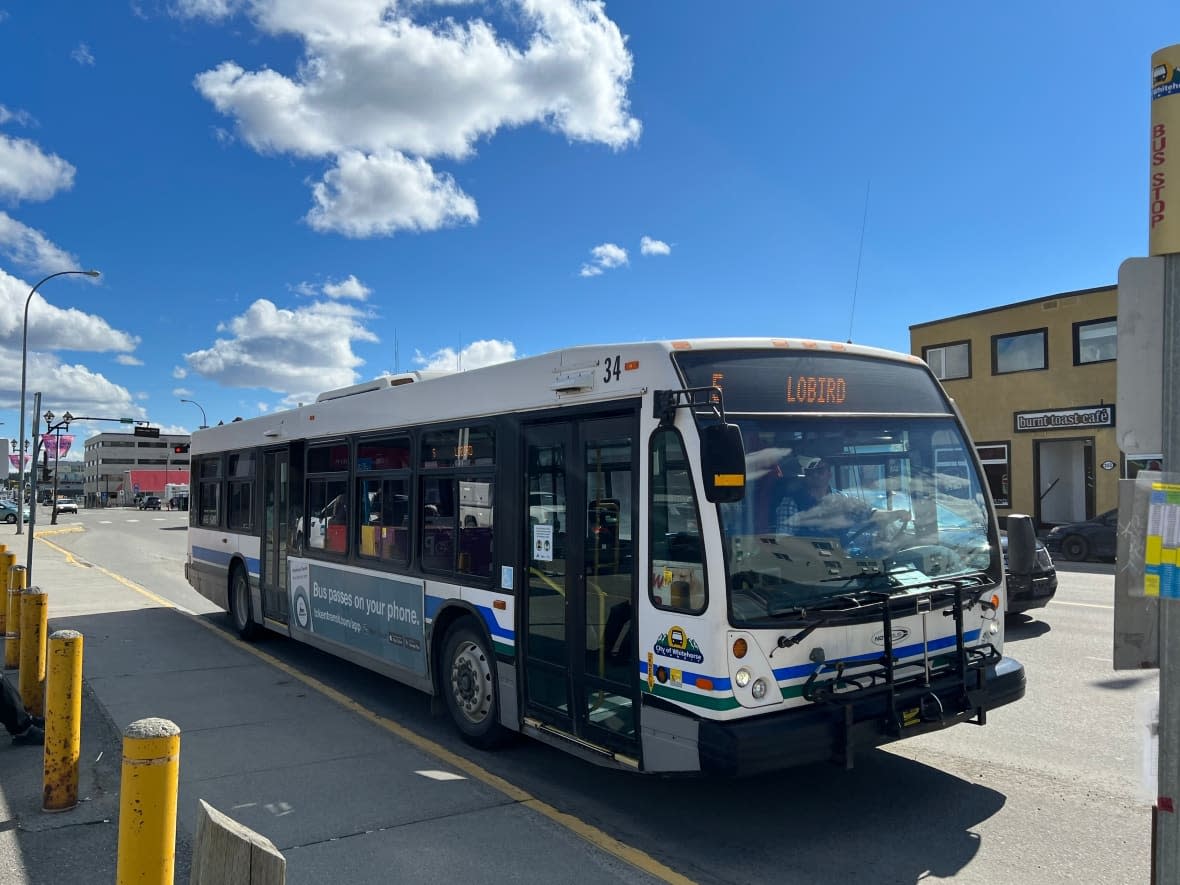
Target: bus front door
x=276 y=485
x=579 y=649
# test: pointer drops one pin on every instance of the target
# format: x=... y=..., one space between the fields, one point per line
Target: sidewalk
x=341 y=797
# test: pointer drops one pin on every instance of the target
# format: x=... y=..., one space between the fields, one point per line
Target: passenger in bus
x=470 y=522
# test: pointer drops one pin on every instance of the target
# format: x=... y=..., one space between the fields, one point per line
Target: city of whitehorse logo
x=677 y=644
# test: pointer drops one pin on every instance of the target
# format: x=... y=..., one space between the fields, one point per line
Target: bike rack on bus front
x=928 y=700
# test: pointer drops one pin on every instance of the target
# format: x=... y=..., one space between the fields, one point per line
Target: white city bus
x=605 y=548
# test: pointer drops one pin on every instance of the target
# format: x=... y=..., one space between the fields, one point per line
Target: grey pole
x=1167 y=823
x=32 y=493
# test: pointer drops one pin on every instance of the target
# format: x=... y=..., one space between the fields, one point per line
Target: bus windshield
x=835 y=505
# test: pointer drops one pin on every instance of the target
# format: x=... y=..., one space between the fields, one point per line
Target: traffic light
x=180 y=449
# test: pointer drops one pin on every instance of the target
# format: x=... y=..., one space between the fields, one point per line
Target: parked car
x=8 y=512
x=1095 y=538
x=150 y=502
x=1035 y=592
x=65 y=505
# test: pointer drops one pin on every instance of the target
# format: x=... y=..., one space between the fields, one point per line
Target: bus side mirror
x=723 y=463
x=1022 y=545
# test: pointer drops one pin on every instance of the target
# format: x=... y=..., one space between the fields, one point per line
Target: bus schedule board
x=379 y=615
x=760 y=382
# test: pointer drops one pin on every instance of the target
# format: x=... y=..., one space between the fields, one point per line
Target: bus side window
x=678 y=554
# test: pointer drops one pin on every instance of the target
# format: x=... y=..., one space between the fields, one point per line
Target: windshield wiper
x=814 y=617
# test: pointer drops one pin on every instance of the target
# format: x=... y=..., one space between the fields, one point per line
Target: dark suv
x=151 y=502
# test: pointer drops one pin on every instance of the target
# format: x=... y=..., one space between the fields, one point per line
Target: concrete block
x=225 y=851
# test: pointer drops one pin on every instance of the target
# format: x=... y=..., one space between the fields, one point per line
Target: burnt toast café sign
x=1065 y=419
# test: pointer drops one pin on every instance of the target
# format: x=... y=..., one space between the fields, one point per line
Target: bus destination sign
x=762 y=382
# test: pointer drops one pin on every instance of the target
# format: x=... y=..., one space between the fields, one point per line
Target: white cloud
x=20 y=117
x=181 y=392
x=179 y=372
x=211 y=10
x=648 y=246
x=55 y=328
x=350 y=287
x=31 y=249
x=263 y=408
x=64 y=386
x=295 y=352
x=82 y=55
x=609 y=255
x=370 y=195
x=475 y=355
x=126 y=359
x=382 y=91
x=606 y=257
x=28 y=173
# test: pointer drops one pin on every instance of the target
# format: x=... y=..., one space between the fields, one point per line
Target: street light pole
x=24 y=363
x=204 y=421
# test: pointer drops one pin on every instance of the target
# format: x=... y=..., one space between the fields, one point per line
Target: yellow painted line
x=58 y=530
x=131 y=585
x=598 y=838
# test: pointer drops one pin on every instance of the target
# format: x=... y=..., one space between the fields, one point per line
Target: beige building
x=1036 y=383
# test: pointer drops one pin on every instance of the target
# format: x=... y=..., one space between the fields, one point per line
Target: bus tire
x=239 y=604
x=469 y=685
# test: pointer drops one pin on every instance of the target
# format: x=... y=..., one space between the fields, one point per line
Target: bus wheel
x=239 y=605
x=469 y=683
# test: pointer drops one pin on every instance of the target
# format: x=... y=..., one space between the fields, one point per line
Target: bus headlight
x=742 y=678
x=758 y=689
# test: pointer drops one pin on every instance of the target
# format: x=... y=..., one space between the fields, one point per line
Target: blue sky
x=286 y=196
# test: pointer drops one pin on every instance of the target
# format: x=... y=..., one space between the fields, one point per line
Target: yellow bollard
x=147 y=802
x=17 y=578
x=7 y=561
x=63 y=721
x=34 y=619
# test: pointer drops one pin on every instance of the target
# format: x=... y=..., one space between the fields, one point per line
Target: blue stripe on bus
x=222 y=558
x=435 y=603
x=803 y=670
x=689 y=679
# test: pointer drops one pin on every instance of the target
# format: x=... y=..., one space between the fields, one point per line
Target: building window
x=949 y=361
x=1095 y=341
x=1020 y=352
x=994 y=457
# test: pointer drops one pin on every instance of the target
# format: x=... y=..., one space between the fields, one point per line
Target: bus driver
x=816 y=506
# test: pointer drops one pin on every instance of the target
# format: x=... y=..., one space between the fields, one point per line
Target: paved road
x=1047 y=792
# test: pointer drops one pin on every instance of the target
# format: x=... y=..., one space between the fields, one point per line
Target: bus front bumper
x=835 y=732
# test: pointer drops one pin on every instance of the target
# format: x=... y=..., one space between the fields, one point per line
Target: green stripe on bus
x=695 y=700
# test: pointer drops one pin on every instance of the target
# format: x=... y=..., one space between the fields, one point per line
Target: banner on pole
x=57 y=445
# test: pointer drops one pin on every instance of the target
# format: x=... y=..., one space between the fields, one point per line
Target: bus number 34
x=612 y=369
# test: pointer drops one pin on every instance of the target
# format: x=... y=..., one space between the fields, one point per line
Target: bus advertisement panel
x=379 y=615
